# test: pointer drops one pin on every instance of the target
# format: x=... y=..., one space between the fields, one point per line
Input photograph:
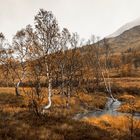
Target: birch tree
x=6 y=60
x=3 y=57
x=20 y=52
x=65 y=40
x=73 y=67
x=105 y=70
x=47 y=30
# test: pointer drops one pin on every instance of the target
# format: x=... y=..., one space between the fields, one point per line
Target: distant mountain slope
x=125 y=28
x=129 y=39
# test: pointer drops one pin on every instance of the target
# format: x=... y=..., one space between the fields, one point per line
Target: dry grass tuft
x=130 y=102
x=118 y=126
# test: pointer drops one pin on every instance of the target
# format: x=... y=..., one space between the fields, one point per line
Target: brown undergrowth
x=18 y=123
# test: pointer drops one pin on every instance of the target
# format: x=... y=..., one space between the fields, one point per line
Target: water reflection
x=111 y=108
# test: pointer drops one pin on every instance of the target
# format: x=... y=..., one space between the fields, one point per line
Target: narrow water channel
x=111 y=108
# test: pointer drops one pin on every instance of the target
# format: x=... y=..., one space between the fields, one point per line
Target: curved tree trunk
x=17 y=89
x=108 y=87
x=17 y=85
x=49 y=96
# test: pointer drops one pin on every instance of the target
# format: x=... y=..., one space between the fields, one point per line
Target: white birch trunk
x=68 y=101
x=107 y=82
x=62 y=75
x=17 y=88
x=49 y=95
x=17 y=85
x=49 y=91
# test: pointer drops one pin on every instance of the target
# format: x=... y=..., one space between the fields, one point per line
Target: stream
x=111 y=108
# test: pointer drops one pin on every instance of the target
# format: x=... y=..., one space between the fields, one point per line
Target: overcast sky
x=99 y=17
